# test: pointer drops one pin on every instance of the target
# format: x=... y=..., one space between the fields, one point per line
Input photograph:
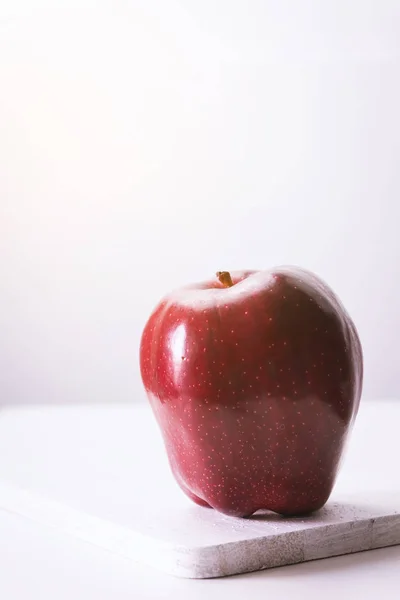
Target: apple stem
x=225 y=278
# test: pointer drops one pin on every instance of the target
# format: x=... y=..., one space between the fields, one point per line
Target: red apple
x=255 y=380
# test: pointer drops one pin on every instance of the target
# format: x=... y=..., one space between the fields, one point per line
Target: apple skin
x=255 y=388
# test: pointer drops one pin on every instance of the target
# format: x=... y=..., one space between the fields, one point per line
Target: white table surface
x=39 y=563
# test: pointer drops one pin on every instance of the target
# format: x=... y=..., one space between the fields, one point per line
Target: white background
x=145 y=144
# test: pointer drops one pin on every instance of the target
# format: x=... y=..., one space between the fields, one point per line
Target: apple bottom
x=285 y=487
x=246 y=461
x=287 y=503
x=296 y=511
